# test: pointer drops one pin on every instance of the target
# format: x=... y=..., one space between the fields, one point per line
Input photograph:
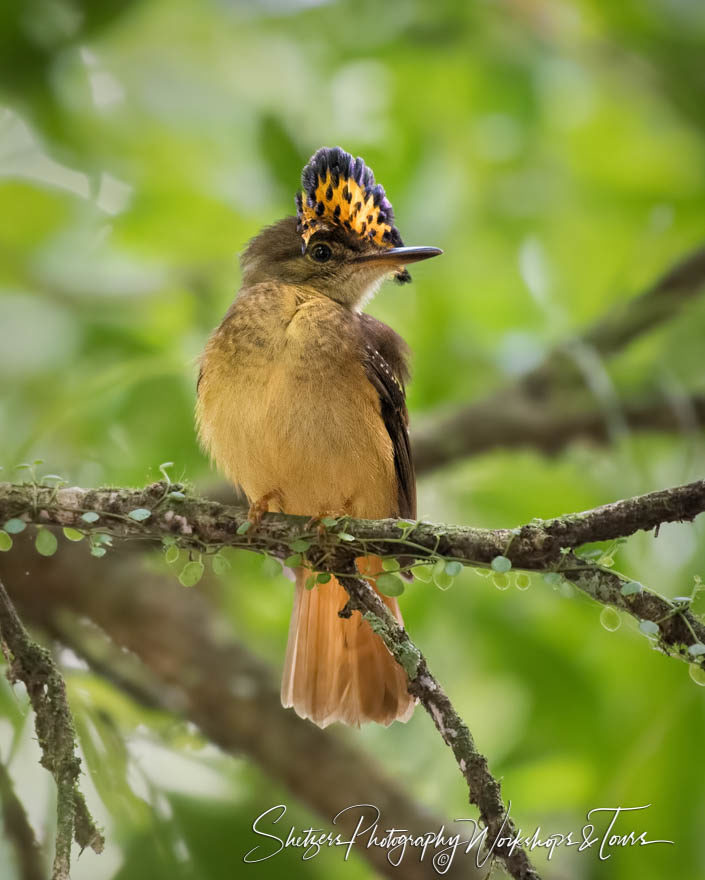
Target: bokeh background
x=556 y=152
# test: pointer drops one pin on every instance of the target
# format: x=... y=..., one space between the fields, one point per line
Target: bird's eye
x=321 y=253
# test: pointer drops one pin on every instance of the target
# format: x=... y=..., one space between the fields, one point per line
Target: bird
x=301 y=404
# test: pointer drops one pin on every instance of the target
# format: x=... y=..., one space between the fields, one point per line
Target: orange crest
x=341 y=191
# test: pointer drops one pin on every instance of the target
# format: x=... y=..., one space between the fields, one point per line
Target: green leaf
x=271 y=566
x=630 y=588
x=53 y=477
x=501 y=564
x=391 y=564
x=97 y=550
x=191 y=573
x=344 y=536
x=696 y=650
x=405 y=524
x=5 y=542
x=179 y=496
x=648 y=627
x=422 y=573
x=293 y=560
x=140 y=514
x=553 y=577
x=90 y=516
x=300 y=545
x=244 y=528
x=73 y=534
x=45 y=542
x=220 y=564
x=310 y=582
x=172 y=554
x=453 y=568
x=500 y=580
x=323 y=577
x=15 y=526
x=329 y=521
x=442 y=580
x=390 y=584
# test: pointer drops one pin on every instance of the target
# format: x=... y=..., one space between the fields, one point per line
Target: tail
x=338 y=669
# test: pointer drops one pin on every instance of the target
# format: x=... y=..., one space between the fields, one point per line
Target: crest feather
x=340 y=190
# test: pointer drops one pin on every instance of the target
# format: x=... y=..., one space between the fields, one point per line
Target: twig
x=32 y=664
x=19 y=832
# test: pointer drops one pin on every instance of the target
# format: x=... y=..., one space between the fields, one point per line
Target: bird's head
x=342 y=242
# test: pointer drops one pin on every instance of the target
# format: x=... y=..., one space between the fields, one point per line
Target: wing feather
x=385 y=358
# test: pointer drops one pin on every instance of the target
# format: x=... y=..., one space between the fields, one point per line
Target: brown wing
x=385 y=358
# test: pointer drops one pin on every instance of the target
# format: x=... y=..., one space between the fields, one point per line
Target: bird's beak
x=400 y=256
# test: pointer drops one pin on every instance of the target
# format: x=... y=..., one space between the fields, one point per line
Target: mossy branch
x=31 y=664
x=484 y=790
x=161 y=512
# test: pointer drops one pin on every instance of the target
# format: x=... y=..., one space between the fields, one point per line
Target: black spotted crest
x=339 y=190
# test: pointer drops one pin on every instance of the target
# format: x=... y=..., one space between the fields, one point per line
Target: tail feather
x=338 y=669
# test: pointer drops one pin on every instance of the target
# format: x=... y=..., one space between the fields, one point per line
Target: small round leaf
x=90 y=516
x=46 y=542
x=191 y=574
x=631 y=588
x=293 y=560
x=15 y=526
x=501 y=564
x=220 y=564
x=390 y=584
x=73 y=534
x=140 y=514
x=5 y=542
x=271 y=566
x=422 y=573
x=300 y=545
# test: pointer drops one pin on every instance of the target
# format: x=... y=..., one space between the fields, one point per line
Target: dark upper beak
x=401 y=256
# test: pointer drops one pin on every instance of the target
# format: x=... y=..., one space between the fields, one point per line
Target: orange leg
x=259 y=507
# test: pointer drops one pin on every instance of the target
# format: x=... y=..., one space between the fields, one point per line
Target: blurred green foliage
x=556 y=151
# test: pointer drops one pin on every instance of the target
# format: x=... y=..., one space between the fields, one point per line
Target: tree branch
x=535 y=410
x=32 y=664
x=206 y=526
x=517 y=421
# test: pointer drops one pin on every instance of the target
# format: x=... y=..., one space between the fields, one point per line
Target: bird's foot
x=317 y=521
x=259 y=507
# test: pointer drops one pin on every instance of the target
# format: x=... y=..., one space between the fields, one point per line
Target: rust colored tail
x=338 y=669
